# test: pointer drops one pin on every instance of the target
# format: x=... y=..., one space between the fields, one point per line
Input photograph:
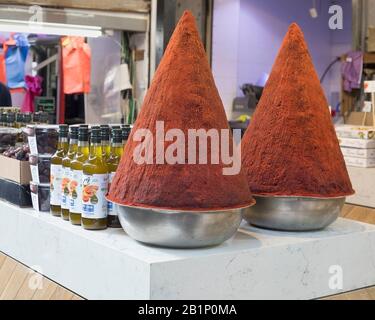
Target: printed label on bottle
x=32 y=144
x=95 y=188
x=35 y=201
x=111 y=207
x=55 y=184
x=65 y=180
x=75 y=191
x=34 y=173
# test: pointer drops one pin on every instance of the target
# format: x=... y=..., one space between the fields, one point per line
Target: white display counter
x=255 y=264
x=363 y=181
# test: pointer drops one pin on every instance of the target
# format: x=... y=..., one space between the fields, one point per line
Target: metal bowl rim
x=171 y=211
x=298 y=197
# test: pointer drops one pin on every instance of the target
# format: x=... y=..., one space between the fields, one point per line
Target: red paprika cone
x=290 y=147
x=183 y=95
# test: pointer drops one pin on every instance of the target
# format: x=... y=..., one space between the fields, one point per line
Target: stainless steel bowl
x=293 y=213
x=179 y=229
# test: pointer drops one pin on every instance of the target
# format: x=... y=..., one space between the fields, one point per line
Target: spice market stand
x=254 y=264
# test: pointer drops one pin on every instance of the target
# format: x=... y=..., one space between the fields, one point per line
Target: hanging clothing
x=34 y=89
x=76 y=65
x=351 y=70
x=15 y=52
x=3 y=77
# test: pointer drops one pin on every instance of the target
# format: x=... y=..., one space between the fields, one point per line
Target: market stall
x=153 y=194
x=254 y=264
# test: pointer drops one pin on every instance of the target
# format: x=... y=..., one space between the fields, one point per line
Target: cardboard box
x=360 y=118
x=15 y=170
x=358 y=162
x=371 y=39
x=355 y=132
x=358 y=153
x=357 y=143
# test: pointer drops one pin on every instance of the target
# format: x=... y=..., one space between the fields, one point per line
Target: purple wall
x=225 y=49
x=262 y=26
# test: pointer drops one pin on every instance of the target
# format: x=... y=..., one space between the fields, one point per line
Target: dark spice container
x=40 y=168
x=40 y=194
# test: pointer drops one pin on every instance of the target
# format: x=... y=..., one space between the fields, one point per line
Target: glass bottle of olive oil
x=19 y=120
x=36 y=118
x=125 y=133
x=3 y=119
x=113 y=162
x=95 y=185
x=56 y=170
x=11 y=119
x=75 y=197
x=66 y=175
x=26 y=119
x=43 y=118
x=106 y=144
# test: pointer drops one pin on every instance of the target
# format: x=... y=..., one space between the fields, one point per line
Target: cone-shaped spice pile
x=290 y=147
x=184 y=96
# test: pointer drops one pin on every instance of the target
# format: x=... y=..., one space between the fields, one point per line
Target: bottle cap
x=125 y=132
x=63 y=130
x=73 y=132
x=116 y=135
x=105 y=132
x=96 y=135
x=83 y=134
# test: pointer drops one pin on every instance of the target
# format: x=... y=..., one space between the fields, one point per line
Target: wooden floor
x=20 y=282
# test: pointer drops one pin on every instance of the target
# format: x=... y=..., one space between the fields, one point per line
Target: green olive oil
x=56 y=170
x=106 y=144
x=76 y=165
x=66 y=184
x=113 y=162
x=95 y=185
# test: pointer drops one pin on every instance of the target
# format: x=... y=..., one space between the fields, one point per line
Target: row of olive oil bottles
x=19 y=119
x=81 y=172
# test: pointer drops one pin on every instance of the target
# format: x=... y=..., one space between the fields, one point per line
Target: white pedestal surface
x=363 y=181
x=254 y=264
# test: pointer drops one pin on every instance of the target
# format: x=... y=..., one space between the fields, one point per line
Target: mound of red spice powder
x=290 y=147
x=183 y=95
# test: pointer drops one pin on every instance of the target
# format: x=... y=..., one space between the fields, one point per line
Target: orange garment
x=76 y=64
x=3 y=77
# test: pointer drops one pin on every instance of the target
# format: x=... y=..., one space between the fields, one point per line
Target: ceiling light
x=50 y=28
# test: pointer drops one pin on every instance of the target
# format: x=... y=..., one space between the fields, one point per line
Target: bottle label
x=111 y=207
x=34 y=173
x=95 y=188
x=65 y=180
x=35 y=201
x=75 y=191
x=32 y=144
x=55 y=184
